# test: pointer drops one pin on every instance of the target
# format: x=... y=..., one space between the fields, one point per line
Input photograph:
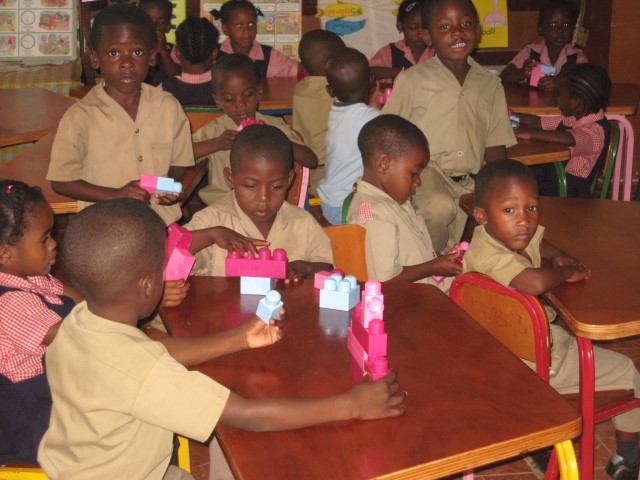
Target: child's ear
x=426 y=36
x=5 y=254
x=214 y=53
x=93 y=59
x=540 y=29
x=399 y=27
x=291 y=175
x=330 y=91
x=146 y=285
x=480 y=215
x=228 y=177
x=153 y=57
x=382 y=162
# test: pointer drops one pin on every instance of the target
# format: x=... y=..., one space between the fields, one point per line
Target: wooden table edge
x=20 y=138
x=552 y=110
x=542 y=158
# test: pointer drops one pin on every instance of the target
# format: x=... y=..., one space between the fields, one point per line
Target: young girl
x=196 y=48
x=583 y=94
x=239 y=20
x=556 y=23
x=32 y=304
x=160 y=12
x=411 y=50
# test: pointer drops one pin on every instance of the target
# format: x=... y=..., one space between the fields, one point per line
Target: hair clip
x=410 y=6
x=9 y=189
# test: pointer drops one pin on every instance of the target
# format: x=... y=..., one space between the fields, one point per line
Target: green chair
x=345 y=206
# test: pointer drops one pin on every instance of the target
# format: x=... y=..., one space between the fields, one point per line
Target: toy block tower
x=179 y=258
x=366 y=337
x=339 y=293
x=257 y=275
x=153 y=184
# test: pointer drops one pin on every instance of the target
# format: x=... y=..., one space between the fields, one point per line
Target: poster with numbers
x=279 y=27
x=37 y=30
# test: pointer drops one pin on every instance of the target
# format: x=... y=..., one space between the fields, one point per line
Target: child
x=508 y=246
x=583 y=93
x=462 y=110
x=196 y=48
x=32 y=304
x=556 y=23
x=259 y=175
x=237 y=90
x=311 y=101
x=122 y=128
x=160 y=12
x=398 y=245
x=391 y=59
x=118 y=396
x=239 y=19
x=350 y=82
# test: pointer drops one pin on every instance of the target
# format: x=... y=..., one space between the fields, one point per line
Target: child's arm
x=82 y=190
x=298 y=270
x=498 y=152
x=213 y=145
x=441 y=265
x=174 y=292
x=164 y=56
x=547 y=84
x=381 y=73
x=304 y=156
x=365 y=400
x=563 y=138
x=528 y=120
x=225 y=238
x=511 y=73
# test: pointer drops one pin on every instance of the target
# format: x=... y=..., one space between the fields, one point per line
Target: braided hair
x=17 y=199
x=589 y=83
x=196 y=38
x=231 y=6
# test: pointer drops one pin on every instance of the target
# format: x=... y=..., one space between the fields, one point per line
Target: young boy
x=259 y=176
x=350 y=82
x=122 y=128
x=311 y=101
x=237 y=90
x=462 y=110
x=508 y=246
x=118 y=396
x=398 y=244
x=160 y=12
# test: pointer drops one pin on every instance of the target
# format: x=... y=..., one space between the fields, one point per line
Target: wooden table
x=28 y=114
x=470 y=400
x=535 y=152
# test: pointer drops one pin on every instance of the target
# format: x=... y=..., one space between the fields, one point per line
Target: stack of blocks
x=257 y=275
x=179 y=259
x=366 y=337
x=154 y=185
x=337 y=292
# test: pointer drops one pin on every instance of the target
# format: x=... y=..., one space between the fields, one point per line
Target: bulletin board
x=38 y=30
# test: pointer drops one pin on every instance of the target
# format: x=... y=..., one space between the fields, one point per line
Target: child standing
x=391 y=59
x=583 y=93
x=239 y=19
x=350 y=82
x=398 y=245
x=32 y=305
x=122 y=128
x=237 y=90
x=462 y=110
x=259 y=175
x=160 y=13
x=123 y=409
x=311 y=100
x=508 y=246
x=556 y=23
x=196 y=48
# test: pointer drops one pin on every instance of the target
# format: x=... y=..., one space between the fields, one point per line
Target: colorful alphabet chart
x=37 y=29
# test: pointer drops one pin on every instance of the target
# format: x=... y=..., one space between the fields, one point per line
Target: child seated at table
x=583 y=94
x=160 y=12
x=508 y=246
x=123 y=128
x=196 y=48
x=398 y=245
x=311 y=101
x=556 y=22
x=259 y=176
x=237 y=90
x=350 y=82
x=118 y=396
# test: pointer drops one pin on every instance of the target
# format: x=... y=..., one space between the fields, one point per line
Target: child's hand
x=231 y=240
x=527 y=66
x=225 y=140
x=161 y=42
x=379 y=399
x=296 y=272
x=561 y=259
x=577 y=273
x=523 y=132
x=445 y=266
x=258 y=334
x=174 y=292
x=167 y=198
x=133 y=190
x=547 y=84
x=374 y=96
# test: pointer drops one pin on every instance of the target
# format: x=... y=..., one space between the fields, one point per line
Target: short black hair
x=122 y=14
x=494 y=173
x=316 y=46
x=197 y=38
x=551 y=6
x=264 y=140
x=589 y=83
x=389 y=134
x=166 y=4
x=231 y=6
x=237 y=64
x=348 y=74
x=108 y=246
x=430 y=6
x=407 y=7
x=17 y=199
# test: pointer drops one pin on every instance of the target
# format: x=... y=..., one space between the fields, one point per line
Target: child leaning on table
x=583 y=93
x=508 y=246
x=259 y=176
x=237 y=90
x=398 y=245
x=118 y=396
x=122 y=128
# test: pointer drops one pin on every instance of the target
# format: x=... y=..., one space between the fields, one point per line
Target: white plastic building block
x=256 y=285
x=269 y=307
x=340 y=293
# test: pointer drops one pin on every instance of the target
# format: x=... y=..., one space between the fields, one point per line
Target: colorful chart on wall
x=37 y=30
x=493 y=18
x=280 y=26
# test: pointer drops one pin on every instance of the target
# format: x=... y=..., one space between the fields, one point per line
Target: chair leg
x=626 y=149
x=552 y=468
x=587 y=406
x=567 y=460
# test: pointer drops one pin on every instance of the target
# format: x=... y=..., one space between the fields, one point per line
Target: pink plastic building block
x=153 y=184
x=249 y=121
x=373 y=339
x=265 y=266
x=320 y=277
x=378 y=367
x=269 y=307
x=384 y=96
x=357 y=352
x=372 y=302
x=179 y=260
x=540 y=71
x=461 y=249
x=361 y=362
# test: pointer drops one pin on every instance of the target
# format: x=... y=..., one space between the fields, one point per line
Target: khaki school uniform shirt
x=459 y=121
x=97 y=141
x=217 y=186
x=118 y=397
x=311 y=106
x=293 y=229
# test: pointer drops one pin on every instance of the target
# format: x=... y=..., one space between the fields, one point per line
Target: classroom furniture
x=469 y=399
x=535 y=152
x=348 y=249
x=57 y=78
x=297 y=193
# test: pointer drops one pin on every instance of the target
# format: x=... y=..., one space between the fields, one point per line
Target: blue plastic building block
x=256 y=285
x=269 y=307
x=339 y=293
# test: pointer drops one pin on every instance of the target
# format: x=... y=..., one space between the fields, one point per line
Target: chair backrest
x=514 y=318
x=297 y=193
x=603 y=179
x=346 y=203
x=348 y=249
x=200 y=116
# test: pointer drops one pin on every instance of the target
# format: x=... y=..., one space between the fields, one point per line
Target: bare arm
x=499 y=152
x=298 y=270
x=224 y=238
x=563 y=138
x=511 y=74
x=82 y=190
x=442 y=265
x=213 y=145
x=304 y=156
x=381 y=73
